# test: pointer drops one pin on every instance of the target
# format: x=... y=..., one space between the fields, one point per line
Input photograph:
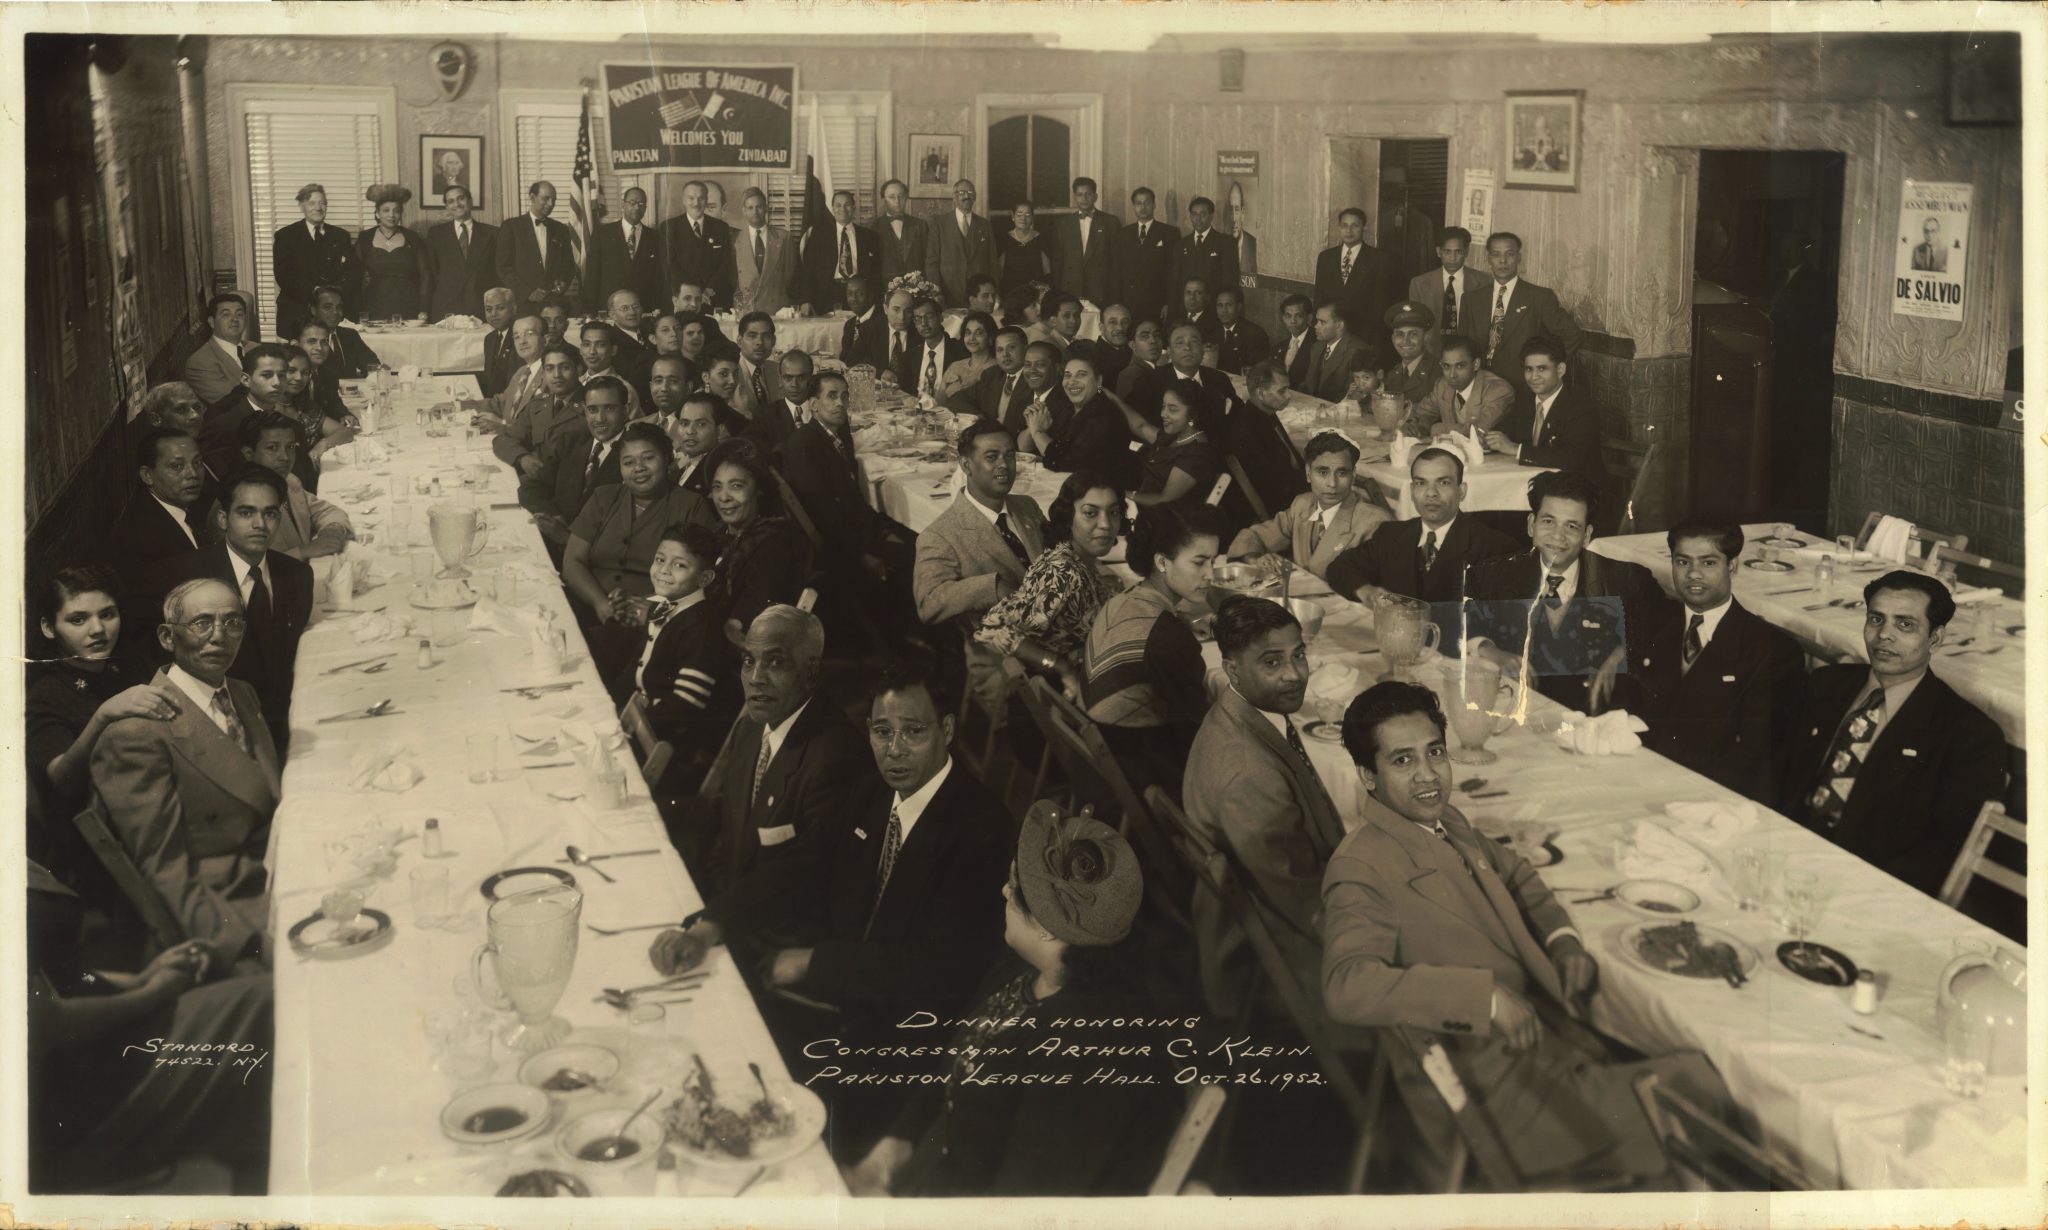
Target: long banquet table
x=1989 y=672
x=1858 y=1101
x=358 y=1095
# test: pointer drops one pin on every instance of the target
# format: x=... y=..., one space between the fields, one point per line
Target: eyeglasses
x=203 y=625
x=914 y=734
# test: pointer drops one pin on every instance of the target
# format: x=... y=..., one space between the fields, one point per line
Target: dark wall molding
x=1973 y=411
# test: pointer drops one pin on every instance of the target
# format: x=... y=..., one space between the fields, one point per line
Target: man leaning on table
x=1429 y=927
x=1713 y=676
x=523 y=381
x=1465 y=396
x=1887 y=761
x=190 y=794
x=1550 y=425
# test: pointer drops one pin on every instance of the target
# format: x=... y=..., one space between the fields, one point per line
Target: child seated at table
x=688 y=673
x=1329 y=518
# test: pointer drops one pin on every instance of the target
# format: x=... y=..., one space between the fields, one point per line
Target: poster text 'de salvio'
x=693 y=117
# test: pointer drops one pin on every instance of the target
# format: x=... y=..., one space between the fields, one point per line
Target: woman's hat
x=380 y=193
x=1080 y=878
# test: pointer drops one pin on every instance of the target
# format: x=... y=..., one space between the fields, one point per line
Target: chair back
x=1935 y=538
x=654 y=752
x=1639 y=488
x=163 y=925
x=807 y=601
x=1479 y=1142
x=1975 y=860
x=1701 y=1145
x=1205 y=1106
x=794 y=509
x=1957 y=557
x=1233 y=472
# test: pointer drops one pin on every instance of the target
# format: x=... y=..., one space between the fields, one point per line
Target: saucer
x=319 y=938
x=515 y=880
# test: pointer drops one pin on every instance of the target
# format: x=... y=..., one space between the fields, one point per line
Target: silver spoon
x=609 y=1152
x=579 y=858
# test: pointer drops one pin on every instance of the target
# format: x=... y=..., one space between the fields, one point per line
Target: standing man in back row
x=1143 y=256
x=906 y=240
x=1352 y=273
x=964 y=246
x=1516 y=313
x=1081 y=248
x=1206 y=254
x=697 y=249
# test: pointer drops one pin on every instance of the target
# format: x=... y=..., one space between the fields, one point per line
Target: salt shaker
x=1824 y=572
x=1864 y=999
x=430 y=838
x=426 y=653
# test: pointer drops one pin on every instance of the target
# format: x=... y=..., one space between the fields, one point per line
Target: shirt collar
x=1896 y=695
x=179 y=515
x=1709 y=620
x=1511 y=283
x=230 y=347
x=1543 y=404
x=1279 y=720
x=990 y=513
x=1443 y=532
x=243 y=567
x=1570 y=573
x=774 y=735
x=909 y=808
x=194 y=687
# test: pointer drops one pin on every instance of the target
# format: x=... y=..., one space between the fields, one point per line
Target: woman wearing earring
x=397 y=280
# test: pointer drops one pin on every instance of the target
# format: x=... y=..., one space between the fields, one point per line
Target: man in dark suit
x=167 y=518
x=696 y=429
x=1000 y=390
x=1144 y=256
x=276 y=590
x=501 y=357
x=626 y=255
x=1352 y=273
x=632 y=355
x=865 y=339
x=1196 y=309
x=867 y=557
x=577 y=462
x=848 y=251
x=464 y=256
x=1148 y=351
x=1240 y=343
x=1515 y=313
x=1295 y=347
x=310 y=254
x=349 y=357
x=1252 y=434
x=923 y=366
x=1337 y=356
x=1455 y=293
x=536 y=254
x=1713 y=682
x=777 y=418
x=1184 y=348
x=1111 y=350
x=1082 y=242
x=698 y=249
x=794 y=762
x=262 y=390
x=1887 y=761
x=906 y=238
x=1550 y=425
x=1425 y=556
x=1205 y=253
x=964 y=246
x=1566 y=621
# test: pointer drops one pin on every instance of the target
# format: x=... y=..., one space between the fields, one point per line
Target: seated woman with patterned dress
x=1044 y=621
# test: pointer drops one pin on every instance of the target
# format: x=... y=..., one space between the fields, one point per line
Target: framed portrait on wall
x=934 y=164
x=448 y=161
x=1543 y=139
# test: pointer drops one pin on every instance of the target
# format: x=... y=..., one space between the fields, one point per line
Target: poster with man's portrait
x=1933 y=250
x=451 y=162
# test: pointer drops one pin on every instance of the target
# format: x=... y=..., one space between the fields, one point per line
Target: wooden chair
x=163 y=925
x=1975 y=862
x=1217 y=872
x=1921 y=534
x=1205 y=1106
x=1234 y=473
x=1015 y=669
x=1092 y=769
x=1955 y=557
x=793 y=508
x=654 y=752
x=1704 y=1148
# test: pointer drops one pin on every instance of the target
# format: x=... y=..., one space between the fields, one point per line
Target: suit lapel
x=1319 y=813
x=209 y=752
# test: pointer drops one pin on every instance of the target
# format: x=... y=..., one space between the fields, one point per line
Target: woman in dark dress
x=396 y=277
x=1092 y=434
x=1024 y=251
x=86 y=680
x=1179 y=463
x=1068 y=908
x=765 y=558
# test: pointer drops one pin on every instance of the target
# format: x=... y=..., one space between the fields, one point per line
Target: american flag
x=579 y=197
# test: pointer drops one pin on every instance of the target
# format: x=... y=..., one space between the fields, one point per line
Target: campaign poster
x=1933 y=251
x=700 y=117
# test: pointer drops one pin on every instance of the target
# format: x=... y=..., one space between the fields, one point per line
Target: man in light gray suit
x=977 y=550
x=214 y=370
x=965 y=245
x=1253 y=795
x=766 y=272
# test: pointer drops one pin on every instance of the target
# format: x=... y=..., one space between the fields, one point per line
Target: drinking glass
x=1750 y=877
x=1801 y=899
x=429 y=896
x=423 y=567
x=532 y=951
x=1846 y=544
x=507 y=586
x=401 y=523
x=483 y=758
x=1782 y=531
x=460 y=1038
x=646 y=1036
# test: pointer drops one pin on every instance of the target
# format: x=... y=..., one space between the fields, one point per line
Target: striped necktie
x=760 y=769
x=892 y=846
x=224 y=705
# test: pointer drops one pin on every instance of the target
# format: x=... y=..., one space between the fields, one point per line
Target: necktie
x=1010 y=539
x=760 y=389
x=1009 y=389
x=892 y=845
x=632 y=242
x=462 y=233
x=1536 y=429
x=224 y=705
x=660 y=612
x=1144 y=230
x=1344 y=266
x=259 y=596
x=1450 y=305
x=596 y=459
x=896 y=225
x=1428 y=551
x=895 y=347
x=1845 y=756
x=797 y=415
x=760 y=769
x=1692 y=640
x=317 y=232
x=1459 y=408
x=1551 y=598
x=963 y=226
x=838 y=444
x=697 y=227
x=845 y=254
x=1294 y=741
x=931 y=371
x=1316 y=526
x=1500 y=309
x=760 y=252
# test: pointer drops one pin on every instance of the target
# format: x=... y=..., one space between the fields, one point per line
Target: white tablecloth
x=1499 y=483
x=1856 y=1111
x=357 y=1101
x=1994 y=682
x=439 y=350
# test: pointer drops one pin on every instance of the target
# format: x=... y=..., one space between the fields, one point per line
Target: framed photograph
x=450 y=162
x=934 y=164
x=1543 y=139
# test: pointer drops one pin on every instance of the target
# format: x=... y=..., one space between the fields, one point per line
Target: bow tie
x=659 y=613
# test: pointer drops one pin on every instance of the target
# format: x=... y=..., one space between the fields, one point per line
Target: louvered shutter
x=336 y=146
x=546 y=137
x=852 y=154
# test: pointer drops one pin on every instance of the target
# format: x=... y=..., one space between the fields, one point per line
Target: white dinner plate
x=738 y=1093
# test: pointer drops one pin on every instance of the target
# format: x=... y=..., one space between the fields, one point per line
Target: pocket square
x=777 y=835
x=861 y=833
x=1907 y=751
x=1727 y=679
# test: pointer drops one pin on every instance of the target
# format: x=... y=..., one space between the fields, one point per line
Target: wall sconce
x=453 y=66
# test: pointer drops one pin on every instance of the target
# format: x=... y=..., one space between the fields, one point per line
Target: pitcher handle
x=483 y=537
x=1505 y=713
x=1432 y=635
x=500 y=1000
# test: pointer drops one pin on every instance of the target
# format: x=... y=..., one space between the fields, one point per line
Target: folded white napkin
x=382 y=767
x=489 y=615
x=787 y=313
x=1611 y=734
x=1333 y=682
x=360 y=452
x=1087 y=307
x=382 y=626
x=1891 y=540
x=1716 y=823
x=1652 y=852
x=345 y=574
x=465 y=323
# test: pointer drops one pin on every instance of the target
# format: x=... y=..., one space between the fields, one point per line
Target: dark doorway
x=1766 y=259
x=1414 y=185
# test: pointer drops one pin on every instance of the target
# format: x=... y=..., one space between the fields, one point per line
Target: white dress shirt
x=199 y=692
x=689 y=465
x=990 y=514
x=178 y=515
x=1709 y=620
x=233 y=351
x=244 y=570
x=775 y=734
x=1442 y=532
x=1566 y=588
x=1895 y=698
x=540 y=238
x=909 y=808
x=965 y=220
x=1536 y=423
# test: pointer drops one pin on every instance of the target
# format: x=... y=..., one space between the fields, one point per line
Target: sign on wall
x=1933 y=251
x=700 y=117
x=1238 y=205
x=1475 y=205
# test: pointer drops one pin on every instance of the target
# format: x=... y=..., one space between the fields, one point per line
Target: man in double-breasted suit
x=906 y=239
x=501 y=356
x=697 y=249
x=831 y=258
x=577 y=461
x=1550 y=425
x=1431 y=928
x=552 y=408
x=965 y=245
x=1887 y=761
x=1425 y=556
x=1253 y=796
x=1454 y=292
x=308 y=254
x=1353 y=273
x=1081 y=242
x=767 y=276
x=191 y=797
x=464 y=256
x=1240 y=342
x=864 y=341
x=1713 y=678
x=1205 y=253
x=978 y=549
x=536 y=254
x=626 y=255
x=1143 y=256
x=1252 y=435
x=1514 y=312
